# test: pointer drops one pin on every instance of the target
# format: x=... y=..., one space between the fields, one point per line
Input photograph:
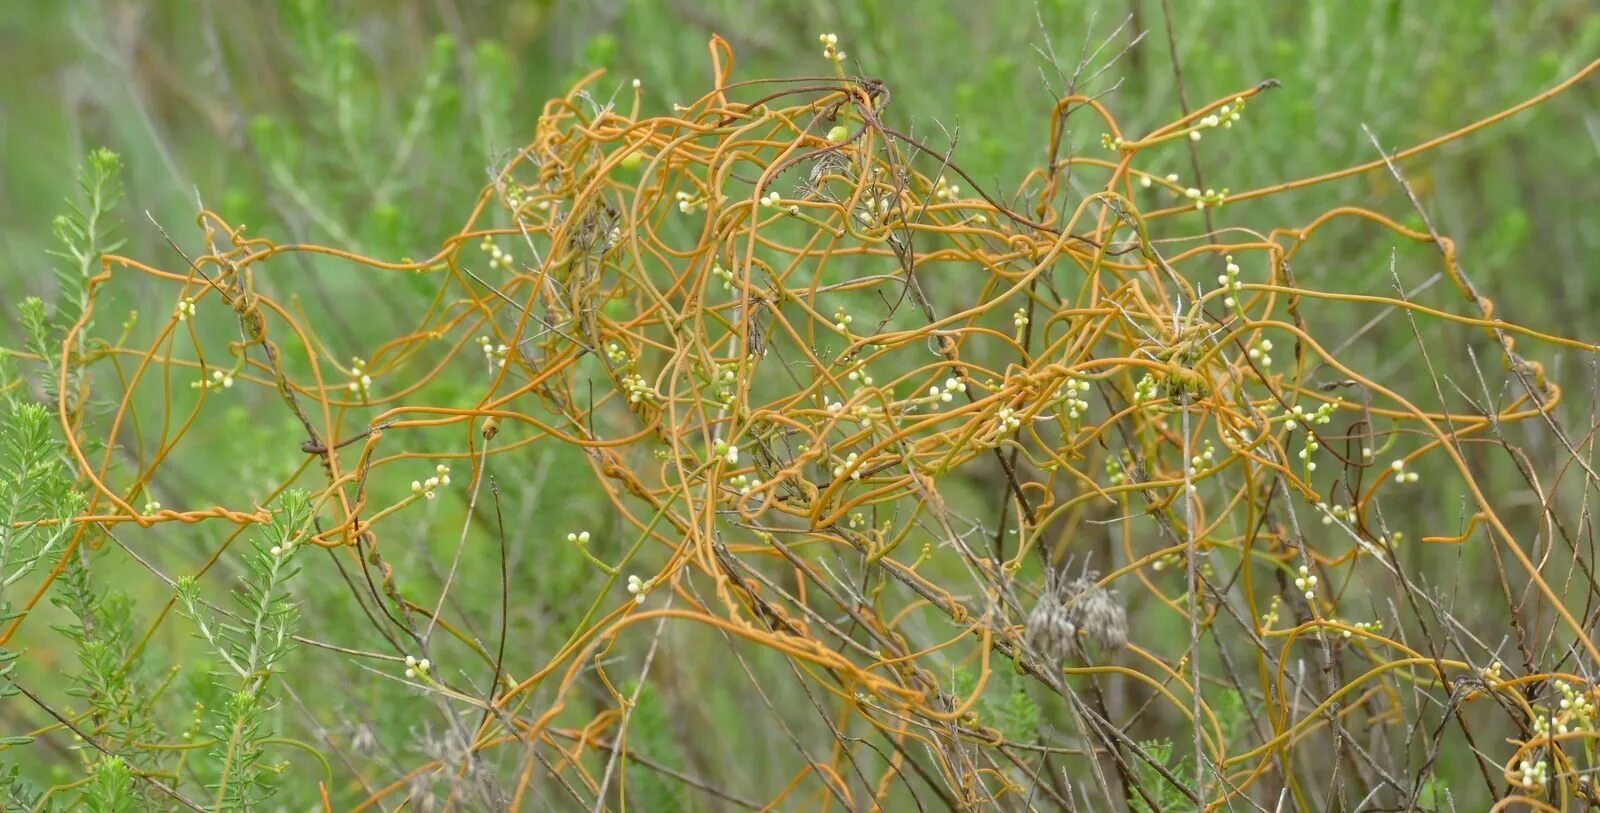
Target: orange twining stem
x=837 y=396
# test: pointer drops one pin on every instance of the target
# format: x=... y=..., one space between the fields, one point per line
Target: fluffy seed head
x=1070 y=613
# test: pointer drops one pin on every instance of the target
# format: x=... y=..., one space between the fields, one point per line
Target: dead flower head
x=1070 y=613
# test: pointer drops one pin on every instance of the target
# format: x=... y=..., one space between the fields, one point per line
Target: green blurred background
x=239 y=104
x=374 y=125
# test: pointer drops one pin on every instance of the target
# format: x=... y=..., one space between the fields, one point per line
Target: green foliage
x=252 y=641
x=354 y=174
x=37 y=504
x=84 y=234
x=245 y=781
x=1005 y=704
x=110 y=788
x=1232 y=718
x=1019 y=715
x=649 y=732
x=1165 y=795
x=250 y=644
x=493 y=92
x=1434 y=795
x=36 y=496
x=41 y=502
x=17 y=793
x=107 y=680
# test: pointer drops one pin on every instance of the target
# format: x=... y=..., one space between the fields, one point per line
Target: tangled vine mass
x=851 y=407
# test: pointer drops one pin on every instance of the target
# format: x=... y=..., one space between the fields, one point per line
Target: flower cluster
x=725 y=395
x=1533 y=774
x=1364 y=626
x=830 y=47
x=498 y=258
x=1229 y=280
x=638 y=389
x=578 y=537
x=440 y=478
x=1020 y=318
x=1306 y=582
x=362 y=383
x=1269 y=619
x=1225 y=116
x=1310 y=449
x=1337 y=512
x=1400 y=473
x=639 y=587
x=1260 y=352
x=868 y=214
x=1210 y=197
x=1203 y=460
x=493 y=353
x=1148 y=181
x=219 y=380
x=1117 y=468
x=944 y=190
x=617 y=355
x=1006 y=420
x=744 y=484
x=726 y=451
x=1167 y=561
x=1075 y=404
x=849 y=465
x=1145 y=389
x=690 y=203
x=417 y=666
x=152 y=507
x=1577 y=707
x=1322 y=417
x=185 y=309
x=772 y=199
x=723 y=274
x=947 y=394
x=842 y=320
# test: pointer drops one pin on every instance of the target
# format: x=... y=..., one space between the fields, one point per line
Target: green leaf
x=110 y=788
x=1020 y=715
